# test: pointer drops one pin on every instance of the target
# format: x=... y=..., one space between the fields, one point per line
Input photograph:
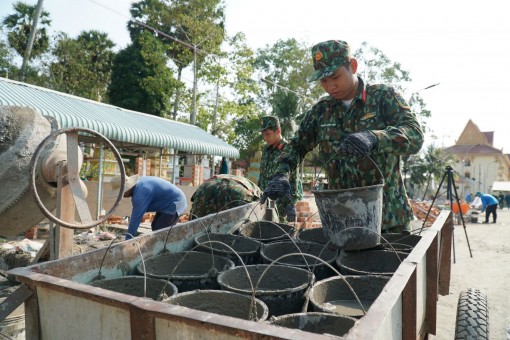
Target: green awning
x=115 y=123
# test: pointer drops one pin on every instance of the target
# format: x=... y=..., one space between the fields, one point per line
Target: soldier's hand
x=290 y=212
x=278 y=186
x=358 y=144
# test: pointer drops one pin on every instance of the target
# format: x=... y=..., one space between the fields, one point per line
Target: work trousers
x=491 y=209
x=162 y=220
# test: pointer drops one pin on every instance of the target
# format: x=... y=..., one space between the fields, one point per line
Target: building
x=478 y=163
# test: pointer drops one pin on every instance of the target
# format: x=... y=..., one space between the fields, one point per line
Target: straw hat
x=116 y=183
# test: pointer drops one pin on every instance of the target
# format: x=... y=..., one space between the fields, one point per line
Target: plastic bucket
x=186 y=270
x=352 y=218
x=248 y=249
x=273 y=251
x=366 y=262
x=281 y=288
x=138 y=286
x=333 y=295
x=318 y=323
x=313 y=235
x=266 y=231
x=222 y=302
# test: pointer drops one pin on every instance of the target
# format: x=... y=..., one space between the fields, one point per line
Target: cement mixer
x=38 y=164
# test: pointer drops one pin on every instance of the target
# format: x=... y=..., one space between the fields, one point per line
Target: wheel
x=472 y=316
x=73 y=178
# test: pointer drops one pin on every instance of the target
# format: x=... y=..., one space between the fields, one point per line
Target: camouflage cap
x=328 y=56
x=269 y=122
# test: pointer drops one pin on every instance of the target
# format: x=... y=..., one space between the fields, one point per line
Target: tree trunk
x=177 y=94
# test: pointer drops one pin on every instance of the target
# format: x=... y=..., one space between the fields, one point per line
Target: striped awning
x=116 y=124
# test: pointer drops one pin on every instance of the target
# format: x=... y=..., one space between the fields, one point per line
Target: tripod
x=448 y=174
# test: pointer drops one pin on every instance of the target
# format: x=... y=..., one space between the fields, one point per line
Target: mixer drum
x=21 y=131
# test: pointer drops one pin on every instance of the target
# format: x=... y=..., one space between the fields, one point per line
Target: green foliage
x=141 y=81
x=83 y=66
x=7 y=67
x=18 y=26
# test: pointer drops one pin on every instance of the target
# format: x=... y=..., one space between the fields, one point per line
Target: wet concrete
x=282 y=288
x=340 y=295
x=265 y=231
x=222 y=302
x=364 y=262
x=228 y=245
x=155 y=289
x=319 y=323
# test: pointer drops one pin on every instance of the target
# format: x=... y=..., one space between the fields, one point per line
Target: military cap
x=269 y=122
x=328 y=56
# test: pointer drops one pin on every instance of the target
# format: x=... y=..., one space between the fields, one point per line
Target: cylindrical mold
x=266 y=231
x=316 y=235
x=222 y=302
x=338 y=294
x=273 y=251
x=140 y=286
x=319 y=323
x=245 y=249
x=281 y=288
x=186 y=270
x=399 y=241
x=380 y=262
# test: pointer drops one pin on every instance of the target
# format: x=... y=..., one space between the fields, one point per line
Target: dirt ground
x=488 y=270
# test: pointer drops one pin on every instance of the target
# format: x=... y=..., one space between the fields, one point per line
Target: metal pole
x=31 y=39
x=193 y=119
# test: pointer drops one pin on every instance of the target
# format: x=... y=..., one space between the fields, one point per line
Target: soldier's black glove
x=278 y=186
x=290 y=212
x=358 y=144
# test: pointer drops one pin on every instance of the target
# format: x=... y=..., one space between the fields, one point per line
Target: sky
x=462 y=45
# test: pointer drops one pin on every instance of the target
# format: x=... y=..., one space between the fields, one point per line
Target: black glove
x=358 y=144
x=290 y=212
x=278 y=186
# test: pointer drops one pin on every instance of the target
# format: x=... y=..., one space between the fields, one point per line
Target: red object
x=464 y=207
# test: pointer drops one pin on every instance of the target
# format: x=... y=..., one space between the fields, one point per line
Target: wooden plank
x=409 y=305
x=32 y=325
x=432 y=279
x=142 y=324
x=445 y=256
x=14 y=300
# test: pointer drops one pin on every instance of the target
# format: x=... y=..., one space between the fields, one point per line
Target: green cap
x=269 y=122
x=328 y=56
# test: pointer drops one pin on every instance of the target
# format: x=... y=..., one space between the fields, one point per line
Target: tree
x=190 y=27
x=18 y=26
x=7 y=67
x=435 y=161
x=141 y=81
x=83 y=65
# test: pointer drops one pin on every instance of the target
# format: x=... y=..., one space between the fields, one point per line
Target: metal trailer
x=59 y=304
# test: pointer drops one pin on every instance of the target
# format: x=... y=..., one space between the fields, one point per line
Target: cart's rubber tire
x=472 y=316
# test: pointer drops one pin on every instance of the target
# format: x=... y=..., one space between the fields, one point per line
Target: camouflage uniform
x=376 y=108
x=223 y=192
x=268 y=165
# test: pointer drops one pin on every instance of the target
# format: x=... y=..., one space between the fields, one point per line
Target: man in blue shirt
x=489 y=205
x=152 y=194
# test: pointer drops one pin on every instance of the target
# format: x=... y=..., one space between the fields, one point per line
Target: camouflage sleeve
x=303 y=142
x=403 y=134
x=263 y=171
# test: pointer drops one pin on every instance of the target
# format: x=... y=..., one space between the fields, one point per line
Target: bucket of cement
x=273 y=251
x=281 y=288
x=186 y=270
x=231 y=246
x=138 y=286
x=319 y=323
x=399 y=241
x=365 y=262
x=222 y=302
x=352 y=217
x=334 y=295
x=316 y=235
x=266 y=231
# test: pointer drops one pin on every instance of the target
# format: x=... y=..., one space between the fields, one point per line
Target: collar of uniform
x=359 y=97
x=278 y=146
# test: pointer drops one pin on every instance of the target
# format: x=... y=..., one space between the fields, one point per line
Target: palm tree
x=435 y=161
x=19 y=25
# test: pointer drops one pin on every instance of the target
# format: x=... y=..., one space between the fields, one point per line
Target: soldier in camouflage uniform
x=355 y=120
x=223 y=192
x=275 y=144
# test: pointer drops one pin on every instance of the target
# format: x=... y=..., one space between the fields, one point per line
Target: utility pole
x=193 y=118
x=31 y=39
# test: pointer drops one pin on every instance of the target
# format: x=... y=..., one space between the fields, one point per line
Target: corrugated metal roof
x=113 y=122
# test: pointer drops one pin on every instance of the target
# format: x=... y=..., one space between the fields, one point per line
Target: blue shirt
x=488 y=200
x=155 y=195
